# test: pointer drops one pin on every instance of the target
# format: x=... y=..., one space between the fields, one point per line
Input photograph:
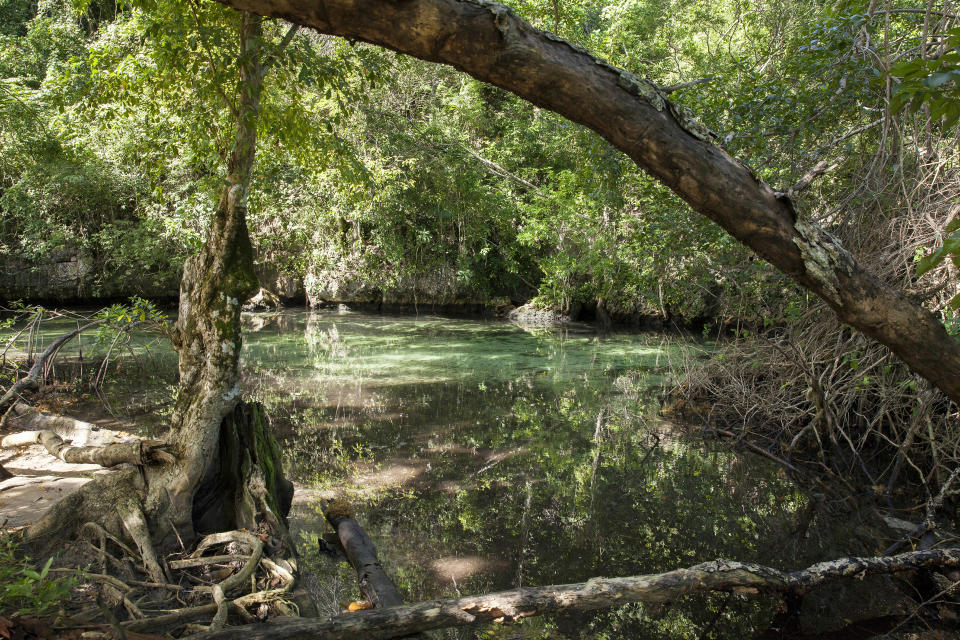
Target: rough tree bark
x=226 y=472
x=486 y=40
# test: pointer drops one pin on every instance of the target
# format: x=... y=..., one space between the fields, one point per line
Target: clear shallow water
x=481 y=457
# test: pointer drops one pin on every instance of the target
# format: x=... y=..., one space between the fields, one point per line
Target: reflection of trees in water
x=588 y=490
x=324 y=341
x=539 y=464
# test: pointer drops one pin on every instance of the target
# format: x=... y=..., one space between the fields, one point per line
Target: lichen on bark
x=823 y=258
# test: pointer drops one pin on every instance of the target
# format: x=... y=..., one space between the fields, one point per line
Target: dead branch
x=359 y=549
x=27 y=418
x=670 y=88
x=31 y=381
x=201 y=562
x=807 y=179
x=509 y=606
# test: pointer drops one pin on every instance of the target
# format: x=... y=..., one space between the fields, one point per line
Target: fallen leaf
x=6 y=628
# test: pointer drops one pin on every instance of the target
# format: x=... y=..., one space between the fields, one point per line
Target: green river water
x=481 y=456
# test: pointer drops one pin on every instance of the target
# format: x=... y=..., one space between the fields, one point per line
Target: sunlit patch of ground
x=25 y=498
x=459 y=568
x=40 y=479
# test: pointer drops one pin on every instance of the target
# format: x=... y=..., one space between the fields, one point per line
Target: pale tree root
x=24 y=417
x=222 y=607
x=244 y=488
x=598 y=593
x=125 y=512
x=137 y=452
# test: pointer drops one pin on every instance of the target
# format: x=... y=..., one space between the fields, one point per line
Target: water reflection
x=483 y=457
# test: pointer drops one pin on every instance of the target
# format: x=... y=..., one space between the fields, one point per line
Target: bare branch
x=267 y=64
x=670 y=88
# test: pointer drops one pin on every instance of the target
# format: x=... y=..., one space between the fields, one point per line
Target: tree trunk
x=226 y=474
x=216 y=282
x=487 y=41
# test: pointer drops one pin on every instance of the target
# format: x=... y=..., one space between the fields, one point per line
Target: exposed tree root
x=138 y=600
x=139 y=452
x=28 y=418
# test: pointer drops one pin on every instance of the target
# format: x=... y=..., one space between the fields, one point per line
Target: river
x=482 y=456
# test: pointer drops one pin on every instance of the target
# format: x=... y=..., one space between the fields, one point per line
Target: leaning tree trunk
x=486 y=40
x=226 y=471
x=215 y=283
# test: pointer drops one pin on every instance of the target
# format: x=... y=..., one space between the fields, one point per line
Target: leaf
x=935 y=80
x=950 y=245
x=46 y=568
x=907 y=67
x=952 y=115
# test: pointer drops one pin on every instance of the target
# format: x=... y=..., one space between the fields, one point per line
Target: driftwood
x=24 y=417
x=362 y=555
x=509 y=606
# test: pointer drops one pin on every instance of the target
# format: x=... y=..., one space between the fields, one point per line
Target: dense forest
x=194 y=152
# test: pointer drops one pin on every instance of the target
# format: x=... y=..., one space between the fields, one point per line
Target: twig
x=670 y=88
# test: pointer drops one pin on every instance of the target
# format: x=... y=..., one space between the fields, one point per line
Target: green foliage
x=138 y=311
x=934 y=83
x=400 y=177
x=26 y=590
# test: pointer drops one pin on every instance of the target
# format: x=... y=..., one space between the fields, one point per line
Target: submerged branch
x=362 y=555
x=31 y=381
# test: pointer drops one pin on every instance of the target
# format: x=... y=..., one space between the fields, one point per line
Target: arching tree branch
x=487 y=41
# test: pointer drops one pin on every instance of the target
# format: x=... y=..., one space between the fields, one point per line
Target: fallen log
x=597 y=593
x=362 y=555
